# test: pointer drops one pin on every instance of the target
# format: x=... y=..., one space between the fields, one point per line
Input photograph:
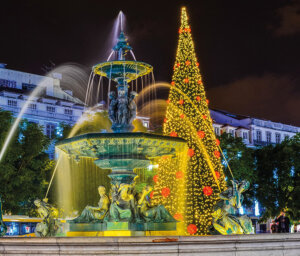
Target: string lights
x=188 y=117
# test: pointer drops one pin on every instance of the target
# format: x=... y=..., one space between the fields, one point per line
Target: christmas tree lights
x=188 y=117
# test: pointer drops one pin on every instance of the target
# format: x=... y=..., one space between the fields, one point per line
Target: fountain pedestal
x=122 y=153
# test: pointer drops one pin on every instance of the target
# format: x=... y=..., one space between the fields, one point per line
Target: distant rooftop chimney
x=3 y=65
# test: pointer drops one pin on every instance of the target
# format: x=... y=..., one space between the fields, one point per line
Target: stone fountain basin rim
x=125 y=135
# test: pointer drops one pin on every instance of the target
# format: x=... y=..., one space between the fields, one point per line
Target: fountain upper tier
x=121 y=70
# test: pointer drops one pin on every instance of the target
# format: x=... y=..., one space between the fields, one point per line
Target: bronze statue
x=49 y=226
x=122 y=207
x=122 y=113
x=95 y=214
x=132 y=106
x=3 y=227
x=226 y=220
x=152 y=213
x=112 y=109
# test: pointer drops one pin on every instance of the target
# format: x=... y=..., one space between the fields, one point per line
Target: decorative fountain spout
x=122 y=151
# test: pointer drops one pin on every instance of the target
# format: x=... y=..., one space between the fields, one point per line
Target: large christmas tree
x=188 y=117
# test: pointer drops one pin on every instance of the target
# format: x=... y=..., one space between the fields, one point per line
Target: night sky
x=248 y=50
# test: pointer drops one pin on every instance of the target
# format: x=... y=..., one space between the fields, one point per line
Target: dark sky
x=248 y=50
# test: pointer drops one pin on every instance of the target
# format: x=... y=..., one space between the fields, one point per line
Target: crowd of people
x=281 y=224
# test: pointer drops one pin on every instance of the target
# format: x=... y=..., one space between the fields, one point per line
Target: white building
x=255 y=132
x=52 y=107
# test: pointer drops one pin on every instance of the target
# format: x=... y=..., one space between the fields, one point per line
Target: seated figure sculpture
x=226 y=220
x=49 y=225
x=122 y=207
x=94 y=214
x=152 y=213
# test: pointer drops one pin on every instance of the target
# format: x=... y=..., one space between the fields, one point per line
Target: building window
x=258 y=135
x=50 y=109
x=231 y=132
x=286 y=136
x=32 y=106
x=12 y=103
x=68 y=111
x=217 y=130
x=50 y=130
x=269 y=137
x=278 y=139
x=245 y=135
x=146 y=124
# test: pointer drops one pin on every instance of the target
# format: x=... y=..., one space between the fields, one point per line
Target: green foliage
x=278 y=178
x=24 y=168
x=239 y=157
x=241 y=162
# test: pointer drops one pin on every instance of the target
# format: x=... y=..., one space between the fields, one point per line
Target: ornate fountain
x=122 y=151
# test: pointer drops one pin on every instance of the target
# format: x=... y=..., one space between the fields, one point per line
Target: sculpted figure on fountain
x=95 y=214
x=122 y=207
x=50 y=225
x=226 y=219
x=152 y=213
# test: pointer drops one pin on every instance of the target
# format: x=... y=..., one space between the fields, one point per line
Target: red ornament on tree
x=207 y=190
x=201 y=134
x=197 y=64
x=168 y=101
x=191 y=152
x=217 y=142
x=179 y=175
x=186 y=80
x=181 y=101
x=217 y=174
x=151 y=194
x=155 y=178
x=182 y=116
x=172 y=83
x=187 y=63
x=217 y=154
x=199 y=81
x=180 y=31
x=165 y=120
x=178 y=64
x=178 y=216
x=198 y=98
x=207 y=101
x=165 y=192
x=204 y=116
x=192 y=229
x=173 y=134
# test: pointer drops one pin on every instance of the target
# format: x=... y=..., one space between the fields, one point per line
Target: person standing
x=283 y=223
